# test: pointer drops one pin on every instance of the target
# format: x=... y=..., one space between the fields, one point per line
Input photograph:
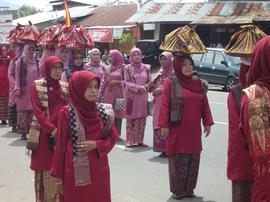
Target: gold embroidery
x=258 y=109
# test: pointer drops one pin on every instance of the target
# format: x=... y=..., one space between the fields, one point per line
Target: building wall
x=5 y=22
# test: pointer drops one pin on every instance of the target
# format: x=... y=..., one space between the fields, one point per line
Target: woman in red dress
x=48 y=96
x=255 y=119
x=184 y=105
x=4 y=89
x=239 y=164
x=83 y=142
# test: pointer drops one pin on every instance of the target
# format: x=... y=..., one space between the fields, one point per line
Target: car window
x=234 y=60
x=197 y=57
x=218 y=58
x=208 y=57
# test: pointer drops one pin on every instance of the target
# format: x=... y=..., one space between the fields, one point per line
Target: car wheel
x=230 y=83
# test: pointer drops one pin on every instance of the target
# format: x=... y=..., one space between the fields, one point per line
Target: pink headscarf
x=166 y=71
x=47 y=52
x=94 y=63
x=138 y=66
x=18 y=50
x=58 y=51
x=25 y=54
x=117 y=60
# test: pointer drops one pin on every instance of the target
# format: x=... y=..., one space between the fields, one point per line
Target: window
x=208 y=57
x=218 y=58
x=197 y=57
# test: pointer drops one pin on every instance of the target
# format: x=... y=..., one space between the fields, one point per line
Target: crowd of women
x=73 y=113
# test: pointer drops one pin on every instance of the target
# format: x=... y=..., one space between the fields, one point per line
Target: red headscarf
x=259 y=72
x=243 y=74
x=48 y=66
x=194 y=85
x=54 y=90
x=87 y=111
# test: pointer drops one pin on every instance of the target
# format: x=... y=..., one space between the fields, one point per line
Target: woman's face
x=78 y=60
x=136 y=56
x=64 y=53
x=91 y=91
x=95 y=56
x=163 y=61
x=31 y=51
x=56 y=71
x=187 y=67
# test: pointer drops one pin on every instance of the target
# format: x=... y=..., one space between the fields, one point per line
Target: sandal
x=177 y=197
x=23 y=137
x=142 y=145
x=129 y=145
x=190 y=196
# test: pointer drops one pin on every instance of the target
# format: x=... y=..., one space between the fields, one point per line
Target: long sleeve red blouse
x=42 y=158
x=62 y=166
x=186 y=137
x=239 y=164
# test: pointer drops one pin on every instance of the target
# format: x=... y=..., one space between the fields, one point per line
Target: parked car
x=150 y=51
x=217 y=68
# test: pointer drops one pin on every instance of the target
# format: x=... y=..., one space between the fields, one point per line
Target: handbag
x=119 y=104
x=34 y=132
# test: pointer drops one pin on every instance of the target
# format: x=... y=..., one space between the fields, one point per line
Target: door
x=220 y=69
x=205 y=67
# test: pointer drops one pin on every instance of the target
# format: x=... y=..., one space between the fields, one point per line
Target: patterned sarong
x=45 y=187
x=3 y=108
x=183 y=173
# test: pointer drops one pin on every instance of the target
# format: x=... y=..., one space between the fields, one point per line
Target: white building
x=6 y=17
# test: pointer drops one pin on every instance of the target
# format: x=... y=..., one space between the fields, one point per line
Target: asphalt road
x=137 y=175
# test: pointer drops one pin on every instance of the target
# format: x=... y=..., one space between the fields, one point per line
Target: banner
x=104 y=35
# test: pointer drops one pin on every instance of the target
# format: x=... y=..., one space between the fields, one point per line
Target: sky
x=43 y=4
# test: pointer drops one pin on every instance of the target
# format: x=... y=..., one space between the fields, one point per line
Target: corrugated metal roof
x=37 y=18
x=114 y=15
x=202 y=13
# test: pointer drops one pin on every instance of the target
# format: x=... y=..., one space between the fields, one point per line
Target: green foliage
x=126 y=39
x=26 y=10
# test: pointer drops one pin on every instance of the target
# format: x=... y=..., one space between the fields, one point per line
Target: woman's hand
x=150 y=86
x=207 y=131
x=113 y=82
x=142 y=90
x=157 y=92
x=86 y=146
x=54 y=132
x=18 y=92
x=164 y=132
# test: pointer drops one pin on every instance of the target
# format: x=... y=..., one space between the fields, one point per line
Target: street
x=137 y=175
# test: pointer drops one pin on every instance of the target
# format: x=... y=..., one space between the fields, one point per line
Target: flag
x=68 y=21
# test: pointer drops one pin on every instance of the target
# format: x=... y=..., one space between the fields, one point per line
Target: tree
x=126 y=42
x=26 y=10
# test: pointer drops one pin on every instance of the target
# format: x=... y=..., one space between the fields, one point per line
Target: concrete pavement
x=137 y=175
